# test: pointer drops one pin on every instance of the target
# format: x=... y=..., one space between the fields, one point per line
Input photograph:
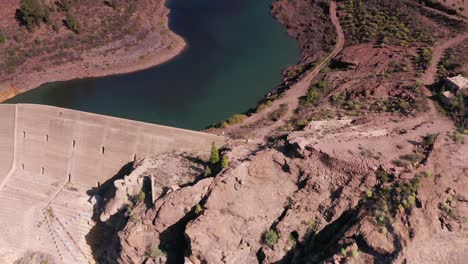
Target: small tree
x=214 y=158
x=224 y=161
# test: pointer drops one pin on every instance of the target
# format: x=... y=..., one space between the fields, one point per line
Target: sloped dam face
x=50 y=157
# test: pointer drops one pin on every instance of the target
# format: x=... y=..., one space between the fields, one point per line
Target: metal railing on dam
x=81 y=147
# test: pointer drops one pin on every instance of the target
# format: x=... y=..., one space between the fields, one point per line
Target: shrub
x=72 y=24
x=278 y=113
x=429 y=139
x=141 y=196
x=270 y=238
x=224 y=161
x=264 y=106
x=382 y=175
x=207 y=171
x=64 y=5
x=312 y=97
x=322 y=85
x=457 y=137
x=236 y=119
x=198 y=209
x=214 y=157
x=33 y=12
x=428 y=174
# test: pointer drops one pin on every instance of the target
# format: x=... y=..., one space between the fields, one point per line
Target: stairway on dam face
x=50 y=156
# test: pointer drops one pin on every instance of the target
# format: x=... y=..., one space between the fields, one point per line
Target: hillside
x=45 y=41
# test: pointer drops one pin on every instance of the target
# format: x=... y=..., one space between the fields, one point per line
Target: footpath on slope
x=292 y=95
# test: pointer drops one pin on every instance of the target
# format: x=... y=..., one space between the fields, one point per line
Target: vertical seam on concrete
x=13 y=162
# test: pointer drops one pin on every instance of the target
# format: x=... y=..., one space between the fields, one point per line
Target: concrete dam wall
x=80 y=147
x=51 y=157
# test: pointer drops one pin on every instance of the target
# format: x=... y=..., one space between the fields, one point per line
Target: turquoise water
x=235 y=56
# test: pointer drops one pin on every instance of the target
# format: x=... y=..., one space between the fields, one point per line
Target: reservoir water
x=235 y=56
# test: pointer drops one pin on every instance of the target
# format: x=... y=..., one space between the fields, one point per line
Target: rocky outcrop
x=125 y=189
x=242 y=205
x=163 y=173
x=159 y=229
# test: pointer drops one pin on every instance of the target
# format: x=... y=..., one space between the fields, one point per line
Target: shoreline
x=144 y=56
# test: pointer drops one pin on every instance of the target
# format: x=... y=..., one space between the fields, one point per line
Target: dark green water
x=235 y=56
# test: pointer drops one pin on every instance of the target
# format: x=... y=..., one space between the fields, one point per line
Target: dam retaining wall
x=7 y=136
x=83 y=148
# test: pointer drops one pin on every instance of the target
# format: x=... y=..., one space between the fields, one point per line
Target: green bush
x=207 y=171
x=64 y=5
x=278 y=113
x=224 y=161
x=312 y=97
x=270 y=238
x=236 y=119
x=198 y=209
x=214 y=157
x=141 y=196
x=72 y=24
x=322 y=85
x=33 y=12
x=382 y=175
x=429 y=139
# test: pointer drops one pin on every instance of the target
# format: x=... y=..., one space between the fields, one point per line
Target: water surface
x=235 y=56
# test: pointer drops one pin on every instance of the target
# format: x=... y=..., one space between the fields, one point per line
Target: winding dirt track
x=291 y=96
x=437 y=54
x=430 y=75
